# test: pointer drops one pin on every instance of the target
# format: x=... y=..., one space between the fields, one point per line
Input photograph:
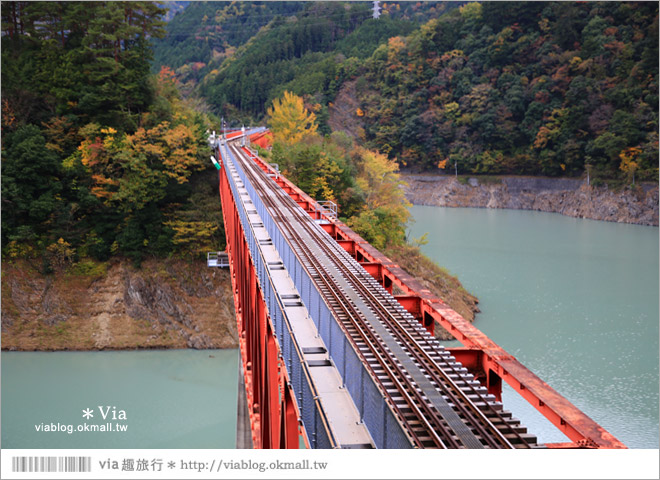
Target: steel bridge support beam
x=271 y=406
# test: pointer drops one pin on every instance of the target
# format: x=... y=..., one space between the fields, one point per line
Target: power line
x=238 y=26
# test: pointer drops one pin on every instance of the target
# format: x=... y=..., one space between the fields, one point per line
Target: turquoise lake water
x=172 y=398
x=575 y=300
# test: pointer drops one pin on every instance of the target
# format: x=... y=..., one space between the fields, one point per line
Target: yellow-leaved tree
x=289 y=120
x=383 y=220
x=193 y=237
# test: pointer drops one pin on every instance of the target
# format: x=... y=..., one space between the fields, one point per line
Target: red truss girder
x=484 y=357
x=271 y=406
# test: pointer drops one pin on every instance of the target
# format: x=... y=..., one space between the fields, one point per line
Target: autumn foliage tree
x=628 y=164
x=96 y=152
x=364 y=184
x=289 y=120
x=193 y=238
x=385 y=214
x=60 y=254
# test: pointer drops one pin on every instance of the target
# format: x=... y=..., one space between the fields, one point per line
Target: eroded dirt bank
x=165 y=304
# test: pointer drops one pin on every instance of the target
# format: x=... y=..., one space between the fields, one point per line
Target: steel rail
x=351 y=314
x=305 y=224
x=474 y=417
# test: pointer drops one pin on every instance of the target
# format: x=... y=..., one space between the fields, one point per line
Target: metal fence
x=313 y=416
x=381 y=422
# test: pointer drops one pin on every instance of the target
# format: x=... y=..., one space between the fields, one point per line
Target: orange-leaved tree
x=129 y=171
x=175 y=146
x=628 y=164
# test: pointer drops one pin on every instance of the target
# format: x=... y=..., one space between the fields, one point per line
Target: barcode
x=51 y=464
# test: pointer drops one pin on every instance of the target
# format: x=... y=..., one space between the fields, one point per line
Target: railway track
x=439 y=403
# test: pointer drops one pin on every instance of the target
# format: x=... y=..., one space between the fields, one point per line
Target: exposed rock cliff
x=570 y=197
x=166 y=304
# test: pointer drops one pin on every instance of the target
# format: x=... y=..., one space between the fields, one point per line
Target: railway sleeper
x=519 y=429
x=526 y=438
x=487 y=406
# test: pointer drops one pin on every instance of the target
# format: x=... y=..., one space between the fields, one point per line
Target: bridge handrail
x=282 y=324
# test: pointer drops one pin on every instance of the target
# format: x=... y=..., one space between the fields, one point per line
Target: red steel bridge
x=336 y=340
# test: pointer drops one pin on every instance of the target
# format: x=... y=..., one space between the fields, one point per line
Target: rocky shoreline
x=571 y=197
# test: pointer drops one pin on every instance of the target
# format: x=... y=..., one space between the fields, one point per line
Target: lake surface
x=171 y=398
x=575 y=300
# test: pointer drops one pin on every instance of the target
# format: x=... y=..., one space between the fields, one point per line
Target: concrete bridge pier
x=243 y=430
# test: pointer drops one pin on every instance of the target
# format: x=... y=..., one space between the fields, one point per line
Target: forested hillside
x=541 y=88
x=522 y=88
x=199 y=38
x=305 y=54
x=101 y=155
x=103 y=160
x=98 y=155
x=298 y=46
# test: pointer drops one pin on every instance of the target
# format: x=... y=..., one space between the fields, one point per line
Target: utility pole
x=376 y=9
